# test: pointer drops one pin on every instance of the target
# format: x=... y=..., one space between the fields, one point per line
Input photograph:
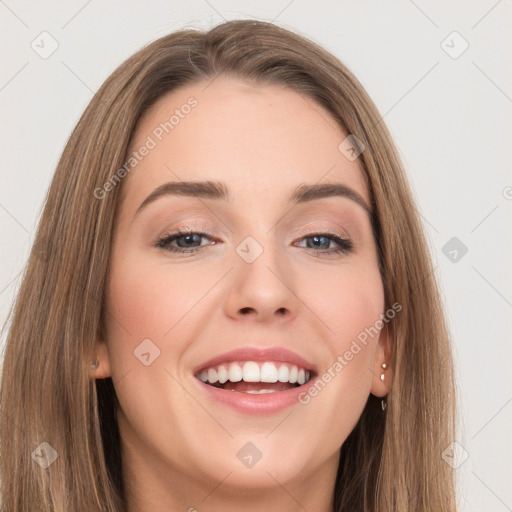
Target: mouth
x=255 y=377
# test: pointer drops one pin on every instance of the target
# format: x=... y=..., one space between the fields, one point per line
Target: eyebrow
x=219 y=191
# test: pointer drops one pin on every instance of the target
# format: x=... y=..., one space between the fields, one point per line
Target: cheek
x=350 y=302
x=351 y=309
x=148 y=299
x=139 y=307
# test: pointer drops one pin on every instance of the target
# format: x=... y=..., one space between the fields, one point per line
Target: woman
x=230 y=302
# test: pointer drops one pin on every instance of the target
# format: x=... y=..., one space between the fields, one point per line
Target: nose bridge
x=261 y=282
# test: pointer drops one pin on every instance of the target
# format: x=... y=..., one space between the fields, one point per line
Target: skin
x=179 y=446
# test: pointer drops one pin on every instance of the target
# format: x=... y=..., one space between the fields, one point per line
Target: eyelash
x=345 y=245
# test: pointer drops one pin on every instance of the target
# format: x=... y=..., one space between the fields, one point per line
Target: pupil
x=316 y=238
x=188 y=238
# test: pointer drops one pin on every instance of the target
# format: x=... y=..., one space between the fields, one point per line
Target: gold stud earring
x=384 y=366
x=383 y=403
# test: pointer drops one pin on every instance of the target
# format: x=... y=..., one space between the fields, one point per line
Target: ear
x=101 y=354
x=382 y=375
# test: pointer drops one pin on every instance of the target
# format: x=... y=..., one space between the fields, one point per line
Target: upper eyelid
x=304 y=228
x=183 y=231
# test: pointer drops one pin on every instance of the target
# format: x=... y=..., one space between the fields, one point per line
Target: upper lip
x=277 y=354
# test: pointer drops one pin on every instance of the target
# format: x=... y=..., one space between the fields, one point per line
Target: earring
x=383 y=403
x=95 y=364
x=384 y=366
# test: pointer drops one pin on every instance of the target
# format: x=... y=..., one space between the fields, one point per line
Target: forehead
x=260 y=139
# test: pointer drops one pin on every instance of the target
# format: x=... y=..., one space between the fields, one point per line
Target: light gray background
x=450 y=117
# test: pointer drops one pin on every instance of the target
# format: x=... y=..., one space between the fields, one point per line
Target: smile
x=254 y=380
x=255 y=377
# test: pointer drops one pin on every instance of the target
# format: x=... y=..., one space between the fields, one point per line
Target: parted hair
x=390 y=462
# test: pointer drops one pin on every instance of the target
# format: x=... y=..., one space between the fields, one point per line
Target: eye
x=323 y=241
x=186 y=241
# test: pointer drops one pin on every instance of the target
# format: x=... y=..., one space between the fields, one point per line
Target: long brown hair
x=390 y=462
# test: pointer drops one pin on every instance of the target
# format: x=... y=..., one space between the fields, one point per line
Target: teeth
x=251 y=371
x=235 y=373
x=268 y=372
x=223 y=374
x=212 y=376
x=284 y=373
x=261 y=391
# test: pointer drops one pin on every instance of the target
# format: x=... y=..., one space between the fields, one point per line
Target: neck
x=153 y=486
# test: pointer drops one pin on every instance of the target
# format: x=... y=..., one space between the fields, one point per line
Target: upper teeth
x=251 y=371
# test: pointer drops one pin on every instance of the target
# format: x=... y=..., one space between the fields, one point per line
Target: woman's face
x=270 y=279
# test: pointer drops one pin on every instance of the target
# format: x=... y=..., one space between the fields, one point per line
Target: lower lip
x=257 y=405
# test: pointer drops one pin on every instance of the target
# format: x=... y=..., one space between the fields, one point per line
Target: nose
x=262 y=290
